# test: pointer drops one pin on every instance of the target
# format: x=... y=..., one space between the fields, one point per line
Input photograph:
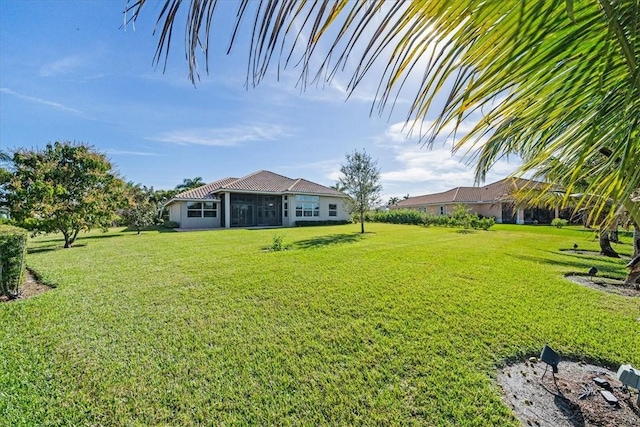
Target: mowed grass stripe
x=403 y=325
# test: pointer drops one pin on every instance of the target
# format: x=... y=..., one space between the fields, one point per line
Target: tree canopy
x=360 y=179
x=541 y=79
x=65 y=187
x=142 y=209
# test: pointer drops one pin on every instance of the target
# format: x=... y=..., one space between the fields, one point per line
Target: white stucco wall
x=174 y=212
x=178 y=213
x=325 y=201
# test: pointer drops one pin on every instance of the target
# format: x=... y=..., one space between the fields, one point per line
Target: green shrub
x=486 y=223
x=276 y=244
x=13 y=243
x=559 y=222
x=460 y=218
x=171 y=224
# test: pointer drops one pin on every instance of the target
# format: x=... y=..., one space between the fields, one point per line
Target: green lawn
x=403 y=325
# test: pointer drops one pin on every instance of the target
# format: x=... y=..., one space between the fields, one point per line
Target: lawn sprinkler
x=630 y=377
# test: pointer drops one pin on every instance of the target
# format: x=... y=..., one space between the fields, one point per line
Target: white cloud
x=41 y=101
x=67 y=65
x=223 y=137
x=418 y=169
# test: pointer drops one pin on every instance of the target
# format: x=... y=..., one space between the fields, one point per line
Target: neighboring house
x=492 y=200
x=260 y=199
x=4 y=213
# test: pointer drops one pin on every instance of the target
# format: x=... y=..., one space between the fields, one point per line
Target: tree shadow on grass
x=331 y=239
x=49 y=248
x=157 y=228
x=578 y=264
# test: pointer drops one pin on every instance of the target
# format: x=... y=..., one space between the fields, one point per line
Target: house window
x=202 y=210
x=441 y=210
x=307 y=206
x=333 y=209
x=286 y=208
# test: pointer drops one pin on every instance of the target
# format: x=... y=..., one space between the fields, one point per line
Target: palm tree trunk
x=636 y=240
x=605 y=244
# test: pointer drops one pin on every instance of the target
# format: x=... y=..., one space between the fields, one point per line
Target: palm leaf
x=549 y=78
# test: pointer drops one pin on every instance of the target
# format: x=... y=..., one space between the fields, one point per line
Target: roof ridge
x=455 y=196
x=295 y=181
x=205 y=185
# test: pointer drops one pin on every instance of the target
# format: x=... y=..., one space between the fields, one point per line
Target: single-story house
x=259 y=199
x=492 y=200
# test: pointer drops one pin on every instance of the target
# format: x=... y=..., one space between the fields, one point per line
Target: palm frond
x=550 y=78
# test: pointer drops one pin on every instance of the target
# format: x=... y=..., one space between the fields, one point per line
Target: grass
x=403 y=325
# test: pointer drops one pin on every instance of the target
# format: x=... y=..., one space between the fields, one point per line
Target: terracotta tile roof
x=304 y=186
x=259 y=182
x=491 y=193
x=206 y=191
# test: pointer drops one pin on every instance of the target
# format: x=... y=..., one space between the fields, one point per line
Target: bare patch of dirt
x=31 y=287
x=605 y=284
x=574 y=399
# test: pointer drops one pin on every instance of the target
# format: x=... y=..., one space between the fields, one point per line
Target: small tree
x=142 y=209
x=361 y=180
x=64 y=188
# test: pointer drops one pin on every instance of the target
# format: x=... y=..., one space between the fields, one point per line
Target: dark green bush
x=171 y=224
x=13 y=243
x=325 y=222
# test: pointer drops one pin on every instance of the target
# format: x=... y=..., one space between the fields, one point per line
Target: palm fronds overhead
x=550 y=78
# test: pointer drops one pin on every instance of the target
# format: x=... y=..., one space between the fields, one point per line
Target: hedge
x=462 y=219
x=13 y=244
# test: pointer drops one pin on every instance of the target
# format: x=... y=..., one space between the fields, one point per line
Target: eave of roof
x=260 y=182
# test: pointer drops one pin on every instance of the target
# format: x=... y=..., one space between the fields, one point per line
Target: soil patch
x=573 y=400
x=606 y=284
x=31 y=287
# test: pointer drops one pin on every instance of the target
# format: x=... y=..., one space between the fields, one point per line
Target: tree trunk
x=362 y=222
x=67 y=239
x=636 y=240
x=633 y=279
x=605 y=244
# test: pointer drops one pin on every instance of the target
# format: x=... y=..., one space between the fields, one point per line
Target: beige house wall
x=342 y=211
x=178 y=213
x=484 y=209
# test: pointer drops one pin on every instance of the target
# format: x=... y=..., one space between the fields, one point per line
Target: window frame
x=204 y=209
x=307 y=206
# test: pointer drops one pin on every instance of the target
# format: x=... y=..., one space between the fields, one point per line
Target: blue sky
x=70 y=71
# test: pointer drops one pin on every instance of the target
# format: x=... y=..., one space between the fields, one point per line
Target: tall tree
x=66 y=188
x=360 y=178
x=189 y=184
x=393 y=201
x=548 y=77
